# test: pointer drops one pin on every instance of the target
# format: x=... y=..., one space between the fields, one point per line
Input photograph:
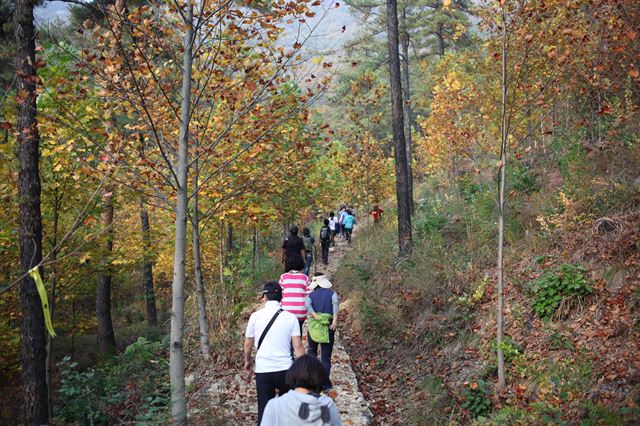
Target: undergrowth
x=437 y=305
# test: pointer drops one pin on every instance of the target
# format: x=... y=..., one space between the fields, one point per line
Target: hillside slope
x=421 y=330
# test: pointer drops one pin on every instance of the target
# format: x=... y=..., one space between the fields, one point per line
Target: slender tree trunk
x=254 y=260
x=406 y=106
x=32 y=343
x=440 y=36
x=205 y=346
x=52 y=296
x=106 y=336
x=229 y=236
x=221 y=260
x=148 y=291
x=176 y=353
x=503 y=159
x=400 y=153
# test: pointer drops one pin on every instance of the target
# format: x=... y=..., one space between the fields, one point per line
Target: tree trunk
x=52 y=296
x=176 y=353
x=503 y=158
x=106 y=336
x=406 y=106
x=223 y=291
x=229 y=236
x=400 y=153
x=254 y=259
x=440 y=36
x=205 y=346
x=32 y=343
x=147 y=267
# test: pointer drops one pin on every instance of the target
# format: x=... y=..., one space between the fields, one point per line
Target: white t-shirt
x=332 y=223
x=275 y=351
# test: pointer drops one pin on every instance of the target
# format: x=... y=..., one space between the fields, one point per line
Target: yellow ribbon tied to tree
x=35 y=274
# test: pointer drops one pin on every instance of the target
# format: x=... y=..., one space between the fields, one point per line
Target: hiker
x=303 y=404
x=325 y=240
x=334 y=226
x=273 y=332
x=349 y=222
x=295 y=286
x=341 y=217
x=322 y=306
x=293 y=252
x=376 y=212
x=308 y=242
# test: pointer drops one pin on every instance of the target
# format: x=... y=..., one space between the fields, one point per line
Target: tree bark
x=106 y=336
x=52 y=296
x=254 y=259
x=440 y=36
x=205 y=345
x=33 y=342
x=148 y=291
x=406 y=105
x=503 y=159
x=400 y=153
x=229 y=236
x=176 y=353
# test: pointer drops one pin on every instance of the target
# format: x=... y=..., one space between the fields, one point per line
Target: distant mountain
x=51 y=11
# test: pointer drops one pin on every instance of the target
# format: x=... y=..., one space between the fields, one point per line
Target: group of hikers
x=282 y=364
x=298 y=253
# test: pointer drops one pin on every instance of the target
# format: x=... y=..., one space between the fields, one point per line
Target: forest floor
x=228 y=396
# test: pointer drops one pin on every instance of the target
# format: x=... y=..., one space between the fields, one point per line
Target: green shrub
x=133 y=386
x=562 y=285
x=477 y=398
x=431 y=220
x=523 y=179
x=510 y=349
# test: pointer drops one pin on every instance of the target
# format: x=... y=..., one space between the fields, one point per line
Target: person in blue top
x=323 y=300
x=341 y=217
x=349 y=222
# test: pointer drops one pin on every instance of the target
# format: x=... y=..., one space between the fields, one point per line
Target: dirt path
x=232 y=396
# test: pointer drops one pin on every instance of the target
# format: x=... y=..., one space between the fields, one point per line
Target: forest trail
x=233 y=396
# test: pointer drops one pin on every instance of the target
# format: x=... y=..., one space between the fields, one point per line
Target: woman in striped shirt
x=295 y=287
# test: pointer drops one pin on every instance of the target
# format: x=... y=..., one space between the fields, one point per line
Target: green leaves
x=565 y=283
x=477 y=398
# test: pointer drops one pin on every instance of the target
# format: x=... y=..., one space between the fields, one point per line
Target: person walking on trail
x=333 y=226
x=349 y=222
x=295 y=287
x=293 y=252
x=325 y=240
x=341 y=217
x=273 y=332
x=376 y=212
x=308 y=242
x=303 y=404
x=322 y=305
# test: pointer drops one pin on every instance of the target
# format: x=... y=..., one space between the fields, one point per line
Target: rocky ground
x=229 y=397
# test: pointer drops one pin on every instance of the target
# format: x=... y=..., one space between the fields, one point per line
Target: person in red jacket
x=376 y=212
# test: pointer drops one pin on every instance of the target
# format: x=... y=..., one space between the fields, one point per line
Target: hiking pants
x=307 y=263
x=348 y=232
x=266 y=385
x=325 y=250
x=325 y=351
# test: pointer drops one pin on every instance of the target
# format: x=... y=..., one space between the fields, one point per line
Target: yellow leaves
x=446 y=4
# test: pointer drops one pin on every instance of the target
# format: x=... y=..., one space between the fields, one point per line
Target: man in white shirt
x=273 y=345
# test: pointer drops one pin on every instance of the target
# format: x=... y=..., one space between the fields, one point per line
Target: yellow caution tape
x=35 y=274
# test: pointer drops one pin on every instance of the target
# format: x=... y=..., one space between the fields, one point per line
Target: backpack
x=308 y=243
x=324 y=233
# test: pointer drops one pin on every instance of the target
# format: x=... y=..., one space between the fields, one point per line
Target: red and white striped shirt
x=295 y=287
